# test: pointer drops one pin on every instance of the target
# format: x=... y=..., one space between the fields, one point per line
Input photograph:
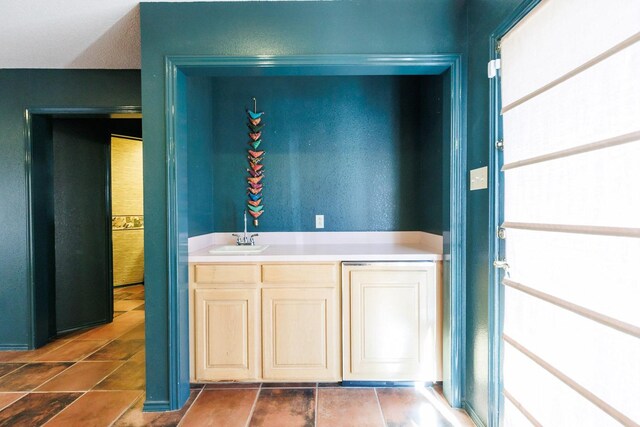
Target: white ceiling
x=70 y=33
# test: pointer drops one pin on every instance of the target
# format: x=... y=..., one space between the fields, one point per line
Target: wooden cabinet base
x=391 y=326
x=227 y=336
x=301 y=333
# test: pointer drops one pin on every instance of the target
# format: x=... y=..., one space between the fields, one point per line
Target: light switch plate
x=478 y=178
x=319 y=221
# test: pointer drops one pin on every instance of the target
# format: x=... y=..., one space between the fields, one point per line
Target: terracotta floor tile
x=130 y=376
x=118 y=313
x=407 y=407
x=127 y=304
x=137 y=333
x=95 y=409
x=72 y=351
x=134 y=417
x=118 y=350
x=289 y=385
x=346 y=407
x=133 y=317
x=35 y=409
x=30 y=355
x=6 y=368
x=209 y=386
x=109 y=331
x=31 y=376
x=8 y=398
x=285 y=407
x=223 y=407
x=80 y=377
x=139 y=356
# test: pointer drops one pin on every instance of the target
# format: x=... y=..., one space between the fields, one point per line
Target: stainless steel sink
x=236 y=249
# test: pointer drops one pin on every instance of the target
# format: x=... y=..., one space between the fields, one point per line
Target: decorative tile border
x=127 y=222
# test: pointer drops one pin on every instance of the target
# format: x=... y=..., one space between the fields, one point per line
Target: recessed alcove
x=365 y=151
x=374 y=141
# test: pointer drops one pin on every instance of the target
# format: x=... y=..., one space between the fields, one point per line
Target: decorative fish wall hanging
x=256 y=168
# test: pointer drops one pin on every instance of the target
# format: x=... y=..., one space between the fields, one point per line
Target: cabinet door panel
x=390 y=325
x=301 y=337
x=226 y=334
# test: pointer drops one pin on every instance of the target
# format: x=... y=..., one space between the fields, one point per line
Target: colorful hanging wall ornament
x=256 y=170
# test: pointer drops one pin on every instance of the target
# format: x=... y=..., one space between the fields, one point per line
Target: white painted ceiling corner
x=84 y=34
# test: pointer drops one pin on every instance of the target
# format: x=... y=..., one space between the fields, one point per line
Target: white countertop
x=328 y=246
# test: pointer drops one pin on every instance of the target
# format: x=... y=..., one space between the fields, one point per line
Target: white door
x=570 y=76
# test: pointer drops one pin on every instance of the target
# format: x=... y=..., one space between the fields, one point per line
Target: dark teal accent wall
x=23 y=89
x=364 y=151
x=484 y=17
x=248 y=29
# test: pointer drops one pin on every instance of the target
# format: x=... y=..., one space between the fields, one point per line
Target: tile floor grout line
x=55 y=376
x=2 y=408
x=315 y=414
x=253 y=407
x=63 y=409
x=10 y=372
x=124 y=411
x=384 y=422
x=189 y=408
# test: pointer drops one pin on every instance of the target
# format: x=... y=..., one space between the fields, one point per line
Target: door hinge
x=492 y=68
x=498 y=46
x=500 y=145
x=503 y=265
x=501 y=233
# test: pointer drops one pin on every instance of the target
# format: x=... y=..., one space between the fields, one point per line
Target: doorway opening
x=180 y=71
x=69 y=186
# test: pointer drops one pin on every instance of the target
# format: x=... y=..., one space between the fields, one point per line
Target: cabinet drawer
x=227 y=273
x=300 y=273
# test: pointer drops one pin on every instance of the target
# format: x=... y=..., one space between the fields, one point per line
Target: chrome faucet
x=245 y=239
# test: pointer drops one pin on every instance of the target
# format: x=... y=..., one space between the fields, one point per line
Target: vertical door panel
x=227 y=334
x=300 y=330
x=82 y=223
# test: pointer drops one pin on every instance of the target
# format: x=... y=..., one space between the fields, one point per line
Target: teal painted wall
x=23 y=89
x=484 y=16
x=364 y=151
x=278 y=28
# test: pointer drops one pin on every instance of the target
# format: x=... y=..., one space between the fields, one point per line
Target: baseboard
x=156 y=406
x=474 y=417
x=385 y=384
x=13 y=347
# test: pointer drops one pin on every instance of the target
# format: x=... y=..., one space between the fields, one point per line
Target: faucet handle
x=254 y=235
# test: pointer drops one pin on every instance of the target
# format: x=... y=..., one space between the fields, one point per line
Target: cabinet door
x=390 y=326
x=300 y=334
x=226 y=334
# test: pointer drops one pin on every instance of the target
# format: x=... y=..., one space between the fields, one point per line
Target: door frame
x=496 y=217
x=40 y=307
x=176 y=68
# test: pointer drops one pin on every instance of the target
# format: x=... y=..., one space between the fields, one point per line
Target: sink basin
x=235 y=249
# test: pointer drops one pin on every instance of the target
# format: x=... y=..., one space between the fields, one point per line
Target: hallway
x=96 y=378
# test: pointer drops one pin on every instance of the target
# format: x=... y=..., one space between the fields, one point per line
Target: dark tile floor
x=96 y=378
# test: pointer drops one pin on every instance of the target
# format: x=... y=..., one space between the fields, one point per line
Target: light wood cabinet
x=301 y=334
x=272 y=321
x=391 y=322
x=227 y=336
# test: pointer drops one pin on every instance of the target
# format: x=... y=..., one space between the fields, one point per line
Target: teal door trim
x=38 y=307
x=177 y=68
x=496 y=217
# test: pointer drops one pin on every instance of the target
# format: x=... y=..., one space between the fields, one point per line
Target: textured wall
x=281 y=28
x=37 y=88
x=484 y=16
x=363 y=151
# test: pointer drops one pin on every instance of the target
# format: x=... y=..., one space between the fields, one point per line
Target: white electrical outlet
x=478 y=178
x=319 y=221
